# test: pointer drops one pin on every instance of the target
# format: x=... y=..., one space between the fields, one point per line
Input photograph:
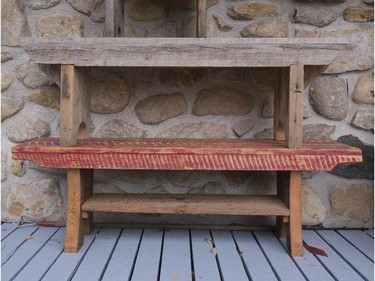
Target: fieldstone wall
x=197 y=103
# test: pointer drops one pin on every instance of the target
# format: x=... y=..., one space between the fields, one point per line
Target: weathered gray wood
x=360 y=240
x=333 y=263
x=93 y=265
x=205 y=265
x=257 y=264
x=229 y=259
x=359 y=262
x=7 y=229
x=66 y=264
x=114 y=18
x=43 y=260
x=120 y=265
x=26 y=252
x=176 y=260
x=217 y=204
x=201 y=18
x=184 y=52
x=148 y=258
x=280 y=260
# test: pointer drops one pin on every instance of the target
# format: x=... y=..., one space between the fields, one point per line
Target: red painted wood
x=187 y=154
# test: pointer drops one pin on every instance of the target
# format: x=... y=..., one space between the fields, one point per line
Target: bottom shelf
x=194 y=204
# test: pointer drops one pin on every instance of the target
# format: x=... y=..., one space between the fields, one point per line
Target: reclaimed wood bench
x=298 y=61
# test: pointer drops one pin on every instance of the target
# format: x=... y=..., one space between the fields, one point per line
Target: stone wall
x=219 y=103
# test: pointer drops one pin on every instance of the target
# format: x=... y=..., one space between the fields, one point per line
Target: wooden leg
x=283 y=193
x=202 y=18
x=295 y=241
x=87 y=182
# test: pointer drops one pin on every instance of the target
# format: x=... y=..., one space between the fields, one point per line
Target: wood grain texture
x=187 y=154
x=114 y=18
x=294 y=237
x=74 y=104
x=87 y=180
x=184 y=52
x=202 y=18
x=195 y=204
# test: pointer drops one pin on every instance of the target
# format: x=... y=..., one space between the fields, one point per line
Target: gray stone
x=59 y=25
x=5 y=56
x=313 y=210
x=110 y=94
x=318 y=132
x=189 y=27
x=222 y=24
x=37 y=200
x=31 y=75
x=4 y=164
x=358 y=14
x=118 y=128
x=182 y=178
x=176 y=77
x=158 y=108
x=17 y=168
x=196 y=130
x=364 y=90
x=10 y=105
x=249 y=11
x=235 y=179
x=364 y=119
x=222 y=101
x=48 y=97
x=128 y=31
x=14 y=23
x=231 y=74
x=210 y=188
x=368 y=1
x=145 y=10
x=167 y=29
x=98 y=13
x=355 y=201
x=363 y=170
x=158 y=190
x=84 y=6
x=329 y=97
x=305 y=33
x=270 y=28
x=242 y=127
x=314 y=16
x=358 y=57
x=27 y=128
x=265 y=134
x=267 y=110
x=263 y=78
x=41 y=4
x=6 y=80
x=190 y=5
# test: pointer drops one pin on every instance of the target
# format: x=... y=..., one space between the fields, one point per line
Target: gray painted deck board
x=360 y=240
x=121 y=263
x=205 y=266
x=370 y=232
x=257 y=264
x=7 y=229
x=334 y=263
x=152 y=254
x=349 y=253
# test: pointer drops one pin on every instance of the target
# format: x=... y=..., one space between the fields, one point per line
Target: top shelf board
x=184 y=52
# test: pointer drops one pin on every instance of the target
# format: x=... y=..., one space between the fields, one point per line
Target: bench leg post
x=294 y=239
x=282 y=179
x=87 y=182
x=74 y=222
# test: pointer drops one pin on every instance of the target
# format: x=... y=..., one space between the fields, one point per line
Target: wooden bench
x=298 y=62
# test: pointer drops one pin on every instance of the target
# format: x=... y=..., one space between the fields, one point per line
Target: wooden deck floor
x=36 y=253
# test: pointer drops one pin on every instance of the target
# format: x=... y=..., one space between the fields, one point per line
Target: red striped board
x=187 y=154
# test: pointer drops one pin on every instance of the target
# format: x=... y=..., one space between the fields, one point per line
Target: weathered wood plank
x=184 y=52
x=176 y=260
x=66 y=264
x=257 y=264
x=361 y=241
x=114 y=18
x=187 y=154
x=205 y=265
x=7 y=229
x=148 y=258
x=43 y=260
x=121 y=263
x=360 y=262
x=333 y=263
x=202 y=18
x=295 y=218
x=94 y=263
x=280 y=260
x=26 y=252
x=229 y=259
x=213 y=204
